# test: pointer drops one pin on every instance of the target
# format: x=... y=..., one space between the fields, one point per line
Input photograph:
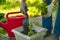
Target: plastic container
x=37 y=36
x=12 y=22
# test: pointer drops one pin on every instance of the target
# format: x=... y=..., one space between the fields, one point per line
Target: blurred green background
x=14 y=5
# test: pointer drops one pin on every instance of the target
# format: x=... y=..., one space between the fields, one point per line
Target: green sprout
x=31 y=32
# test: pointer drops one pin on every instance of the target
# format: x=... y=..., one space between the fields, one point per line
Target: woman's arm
x=50 y=7
x=55 y=1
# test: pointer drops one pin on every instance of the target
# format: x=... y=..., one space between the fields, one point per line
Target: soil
x=37 y=19
x=25 y=32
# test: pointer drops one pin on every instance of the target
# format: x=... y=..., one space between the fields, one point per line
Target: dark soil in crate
x=26 y=32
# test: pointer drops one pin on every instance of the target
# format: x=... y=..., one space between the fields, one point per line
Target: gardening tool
x=12 y=22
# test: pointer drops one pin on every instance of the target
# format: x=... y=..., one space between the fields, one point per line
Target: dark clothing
x=57 y=21
x=47 y=1
x=47 y=22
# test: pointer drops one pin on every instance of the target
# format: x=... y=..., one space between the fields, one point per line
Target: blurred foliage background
x=14 y=5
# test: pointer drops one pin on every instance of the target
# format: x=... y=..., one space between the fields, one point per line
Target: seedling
x=29 y=32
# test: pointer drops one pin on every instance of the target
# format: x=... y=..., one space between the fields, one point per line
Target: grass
x=2 y=31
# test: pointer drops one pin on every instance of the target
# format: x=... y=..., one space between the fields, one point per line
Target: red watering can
x=12 y=22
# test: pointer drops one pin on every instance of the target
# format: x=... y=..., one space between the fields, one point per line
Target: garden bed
x=34 y=36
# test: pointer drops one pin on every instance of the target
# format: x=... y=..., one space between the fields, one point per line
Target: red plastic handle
x=11 y=13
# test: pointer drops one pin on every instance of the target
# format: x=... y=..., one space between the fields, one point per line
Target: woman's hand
x=46 y=16
x=50 y=9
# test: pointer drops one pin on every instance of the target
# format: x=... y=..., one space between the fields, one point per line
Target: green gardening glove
x=26 y=24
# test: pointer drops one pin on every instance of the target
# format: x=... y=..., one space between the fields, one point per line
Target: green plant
x=3 y=20
x=31 y=31
x=1 y=15
x=36 y=23
x=43 y=8
x=33 y=12
x=2 y=2
x=2 y=31
x=9 y=5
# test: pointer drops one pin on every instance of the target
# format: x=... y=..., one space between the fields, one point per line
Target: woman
x=57 y=21
x=47 y=22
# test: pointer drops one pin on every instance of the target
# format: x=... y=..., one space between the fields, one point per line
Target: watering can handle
x=11 y=13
